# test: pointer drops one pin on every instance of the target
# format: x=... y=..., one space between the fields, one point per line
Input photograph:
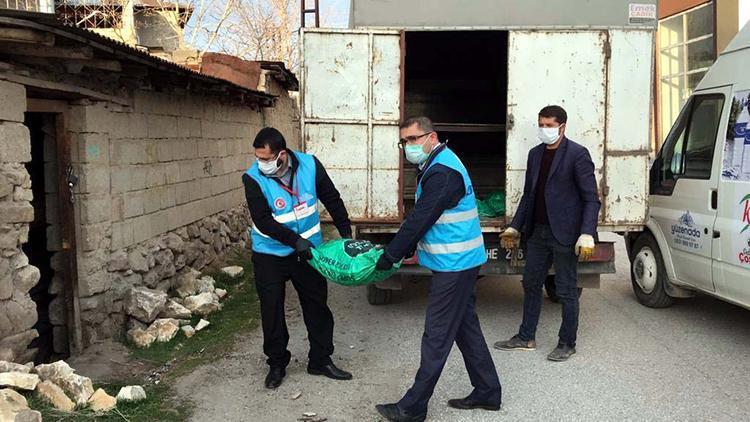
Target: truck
x=697 y=232
x=481 y=71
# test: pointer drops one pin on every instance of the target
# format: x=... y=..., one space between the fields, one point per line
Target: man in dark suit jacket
x=557 y=218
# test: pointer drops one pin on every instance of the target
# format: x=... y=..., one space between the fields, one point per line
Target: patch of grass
x=156 y=407
x=240 y=313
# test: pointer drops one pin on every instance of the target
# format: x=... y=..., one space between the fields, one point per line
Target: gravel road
x=688 y=362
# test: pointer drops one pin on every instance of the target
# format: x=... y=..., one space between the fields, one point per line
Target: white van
x=697 y=235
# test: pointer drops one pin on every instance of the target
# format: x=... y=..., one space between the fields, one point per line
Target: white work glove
x=509 y=238
x=585 y=247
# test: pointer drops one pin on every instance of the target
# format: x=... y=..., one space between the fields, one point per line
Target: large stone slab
x=54 y=395
x=19 y=380
x=144 y=304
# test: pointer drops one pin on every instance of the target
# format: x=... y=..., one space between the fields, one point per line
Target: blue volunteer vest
x=454 y=243
x=304 y=221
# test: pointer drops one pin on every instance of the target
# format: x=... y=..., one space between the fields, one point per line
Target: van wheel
x=647 y=273
x=549 y=286
x=376 y=296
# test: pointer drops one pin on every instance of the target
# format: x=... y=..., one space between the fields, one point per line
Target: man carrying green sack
x=282 y=189
x=444 y=229
x=350 y=262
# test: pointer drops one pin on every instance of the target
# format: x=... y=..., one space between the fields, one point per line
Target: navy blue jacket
x=571 y=195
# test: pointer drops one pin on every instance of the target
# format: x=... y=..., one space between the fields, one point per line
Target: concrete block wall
x=284 y=116
x=166 y=171
x=17 y=311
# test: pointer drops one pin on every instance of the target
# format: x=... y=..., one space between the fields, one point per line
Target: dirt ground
x=688 y=362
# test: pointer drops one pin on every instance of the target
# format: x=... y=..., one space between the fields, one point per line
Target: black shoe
x=275 y=377
x=561 y=353
x=515 y=343
x=468 y=404
x=330 y=371
x=394 y=413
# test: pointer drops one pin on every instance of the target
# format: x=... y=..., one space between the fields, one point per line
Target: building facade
x=691 y=35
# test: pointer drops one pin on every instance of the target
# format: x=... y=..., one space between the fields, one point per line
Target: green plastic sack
x=350 y=262
x=492 y=206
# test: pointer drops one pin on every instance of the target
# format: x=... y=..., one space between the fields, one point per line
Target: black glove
x=302 y=247
x=383 y=264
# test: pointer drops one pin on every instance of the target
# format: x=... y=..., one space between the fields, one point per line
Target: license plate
x=494 y=254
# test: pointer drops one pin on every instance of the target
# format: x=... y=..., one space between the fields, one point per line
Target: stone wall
x=159 y=193
x=17 y=311
x=160 y=184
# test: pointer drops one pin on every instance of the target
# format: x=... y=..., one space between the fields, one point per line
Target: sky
x=336 y=12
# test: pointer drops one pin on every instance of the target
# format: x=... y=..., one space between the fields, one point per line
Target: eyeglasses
x=263 y=160
x=410 y=139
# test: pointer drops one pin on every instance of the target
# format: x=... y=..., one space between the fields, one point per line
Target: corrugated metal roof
x=48 y=23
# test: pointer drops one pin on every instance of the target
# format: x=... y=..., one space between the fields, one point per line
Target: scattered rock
x=233 y=271
x=165 y=329
x=202 y=304
x=187 y=283
x=13 y=367
x=188 y=330
x=77 y=387
x=131 y=393
x=296 y=395
x=144 y=304
x=221 y=293
x=54 y=371
x=28 y=415
x=100 y=401
x=174 y=310
x=141 y=338
x=206 y=284
x=11 y=404
x=201 y=325
x=19 y=380
x=55 y=395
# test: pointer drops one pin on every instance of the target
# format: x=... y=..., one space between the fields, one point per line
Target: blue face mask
x=415 y=153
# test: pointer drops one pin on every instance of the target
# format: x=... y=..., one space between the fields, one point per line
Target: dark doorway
x=43 y=235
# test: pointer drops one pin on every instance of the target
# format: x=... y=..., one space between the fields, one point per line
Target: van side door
x=732 y=231
x=683 y=185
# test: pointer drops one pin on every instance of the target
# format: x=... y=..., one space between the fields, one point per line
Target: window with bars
x=687 y=49
x=44 y=6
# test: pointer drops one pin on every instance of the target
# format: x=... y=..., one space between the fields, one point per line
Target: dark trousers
x=451 y=316
x=271 y=274
x=543 y=250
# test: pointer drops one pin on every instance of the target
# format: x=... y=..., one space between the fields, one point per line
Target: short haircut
x=271 y=137
x=424 y=123
x=554 y=111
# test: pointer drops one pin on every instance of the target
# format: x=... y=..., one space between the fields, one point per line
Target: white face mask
x=548 y=135
x=270 y=167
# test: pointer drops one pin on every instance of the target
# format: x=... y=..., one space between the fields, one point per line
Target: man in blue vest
x=282 y=189
x=444 y=229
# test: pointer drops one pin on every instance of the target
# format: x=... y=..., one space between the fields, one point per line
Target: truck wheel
x=376 y=296
x=549 y=286
x=647 y=273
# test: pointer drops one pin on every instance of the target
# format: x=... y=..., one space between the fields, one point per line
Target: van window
x=688 y=151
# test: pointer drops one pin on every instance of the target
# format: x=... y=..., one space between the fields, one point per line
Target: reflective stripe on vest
x=305 y=222
x=454 y=242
